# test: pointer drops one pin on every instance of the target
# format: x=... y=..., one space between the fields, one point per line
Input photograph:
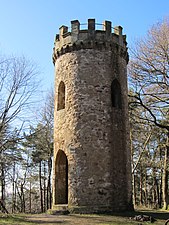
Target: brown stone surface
x=91 y=132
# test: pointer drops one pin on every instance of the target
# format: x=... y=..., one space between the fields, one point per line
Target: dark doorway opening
x=61 y=188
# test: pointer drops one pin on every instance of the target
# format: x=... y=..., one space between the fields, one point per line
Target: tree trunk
x=49 y=193
x=30 y=197
x=155 y=190
x=22 y=198
x=13 y=190
x=2 y=183
x=161 y=183
x=141 y=186
x=134 y=190
x=146 y=201
x=165 y=176
x=44 y=186
x=40 y=185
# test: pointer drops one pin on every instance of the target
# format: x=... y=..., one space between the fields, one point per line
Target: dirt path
x=82 y=219
x=70 y=219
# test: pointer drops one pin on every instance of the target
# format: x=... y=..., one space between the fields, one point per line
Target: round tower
x=92 y=171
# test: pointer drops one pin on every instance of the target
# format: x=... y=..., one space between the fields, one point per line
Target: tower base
x=66 y=209
x=61 y=209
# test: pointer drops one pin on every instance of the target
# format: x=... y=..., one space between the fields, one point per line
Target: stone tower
x=91 y=133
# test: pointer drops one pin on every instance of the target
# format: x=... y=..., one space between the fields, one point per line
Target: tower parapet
x=76 y=39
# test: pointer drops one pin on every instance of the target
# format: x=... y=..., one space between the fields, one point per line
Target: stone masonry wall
x=92 y=133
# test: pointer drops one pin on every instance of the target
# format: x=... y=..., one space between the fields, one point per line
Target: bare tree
x=18 y=86
x=149 y=77
x=18 y=83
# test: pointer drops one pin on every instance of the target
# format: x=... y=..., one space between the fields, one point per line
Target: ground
x=116 y=219
x=75 y=219
x=72 y=219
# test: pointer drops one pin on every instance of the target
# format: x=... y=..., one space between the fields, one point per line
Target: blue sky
x=28 y=27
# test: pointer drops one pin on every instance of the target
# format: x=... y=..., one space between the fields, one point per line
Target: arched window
x=61 y=179
x=116 y=94
x=61 y=96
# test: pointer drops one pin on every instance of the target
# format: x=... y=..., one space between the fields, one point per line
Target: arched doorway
x=61 y=173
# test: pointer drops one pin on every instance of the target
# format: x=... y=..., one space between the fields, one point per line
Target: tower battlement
x=76 y=39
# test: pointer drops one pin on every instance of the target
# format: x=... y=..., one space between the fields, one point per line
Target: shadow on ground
x=83 y=219
x=158 y=215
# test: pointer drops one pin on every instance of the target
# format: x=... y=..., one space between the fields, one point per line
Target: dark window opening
x=61 y=96
x=116 y=94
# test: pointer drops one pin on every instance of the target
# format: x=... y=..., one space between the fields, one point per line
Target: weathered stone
x=92 y=171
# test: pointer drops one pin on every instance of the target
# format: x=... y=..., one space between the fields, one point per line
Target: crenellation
x=75 y=27
x=63 y=29
x=91 y=25
x=56 y=38
x=107 y=27
x=82 y=38
x=118 y=30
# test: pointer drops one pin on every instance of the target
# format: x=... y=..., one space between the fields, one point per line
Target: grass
x=72 y=219
x=17 y=219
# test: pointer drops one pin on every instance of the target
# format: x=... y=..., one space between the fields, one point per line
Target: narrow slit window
x=61 y=96
x=116 y=94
